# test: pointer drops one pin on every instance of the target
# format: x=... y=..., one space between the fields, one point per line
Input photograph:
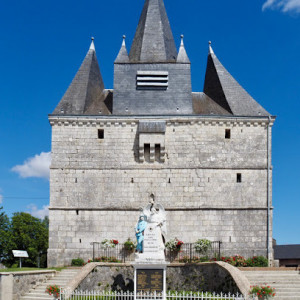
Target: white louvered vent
x=152 y=80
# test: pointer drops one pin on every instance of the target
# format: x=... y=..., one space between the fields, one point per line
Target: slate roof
x=287 y=251
x=86 y=92
x=203 y=105
x=123 y=54
x=220 y=86
x=153 y=41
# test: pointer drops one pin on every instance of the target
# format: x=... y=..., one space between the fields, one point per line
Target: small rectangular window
x=238 y=177
x=227 y=133
x=157 y=152
x=147 y=152
x=100 y=134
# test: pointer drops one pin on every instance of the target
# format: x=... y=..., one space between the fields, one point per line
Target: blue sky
x=43 y=43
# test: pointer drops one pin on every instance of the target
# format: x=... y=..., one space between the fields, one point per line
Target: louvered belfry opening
x=152 y=80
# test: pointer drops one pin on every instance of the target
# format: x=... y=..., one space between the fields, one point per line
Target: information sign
x=20 y=253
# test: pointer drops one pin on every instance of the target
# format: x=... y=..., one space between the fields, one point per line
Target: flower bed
x=240 y=261
x=174 y=244
x=53 y=290
x=262 y=292
x=109 y=243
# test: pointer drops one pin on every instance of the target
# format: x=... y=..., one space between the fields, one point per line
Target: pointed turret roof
x=227 y=92
x=153 y=41
x=123 y=54
x=86 y=89
x=182 y=55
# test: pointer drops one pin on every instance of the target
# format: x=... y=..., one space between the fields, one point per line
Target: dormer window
x=152 y=80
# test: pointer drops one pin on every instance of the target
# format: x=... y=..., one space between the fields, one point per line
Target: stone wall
x=240 y=231
x=202 y=277
x=15 y=284
x=97 y=185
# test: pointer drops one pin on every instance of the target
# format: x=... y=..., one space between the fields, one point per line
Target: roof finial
x=182 y=36
x=123 y=54
x=211 y=51
x=182 y=55
x=92 y=47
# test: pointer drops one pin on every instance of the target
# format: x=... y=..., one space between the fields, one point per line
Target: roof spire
x=210 y=49
x=86 y=89
x=153 y=40
x=92 y=47
x=220 y=86
x=123 y=54
x=182 y=55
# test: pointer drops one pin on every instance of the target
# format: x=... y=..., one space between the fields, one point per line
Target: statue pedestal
x=150 y=278
x=150 y=266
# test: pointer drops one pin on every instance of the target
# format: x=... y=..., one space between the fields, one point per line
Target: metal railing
x=105 y=295
x=186 y=254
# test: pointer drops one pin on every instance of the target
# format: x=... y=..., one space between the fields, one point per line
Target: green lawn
x=28 y=269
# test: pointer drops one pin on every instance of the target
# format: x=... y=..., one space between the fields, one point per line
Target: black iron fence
x=187 y=253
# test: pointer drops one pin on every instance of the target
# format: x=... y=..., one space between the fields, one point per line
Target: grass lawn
x=28 y=269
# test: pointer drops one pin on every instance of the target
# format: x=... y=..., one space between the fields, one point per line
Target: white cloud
x=38 y=213
x=283 y=5
x=37 y=166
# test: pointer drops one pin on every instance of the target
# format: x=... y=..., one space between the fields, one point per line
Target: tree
x=6 y=242
x=30 y=234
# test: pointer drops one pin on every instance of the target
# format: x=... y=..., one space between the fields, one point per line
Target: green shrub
x=129 y=245
x=257 y=261
x=78 y=262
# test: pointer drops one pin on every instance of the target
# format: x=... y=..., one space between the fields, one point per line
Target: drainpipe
x=268 y=187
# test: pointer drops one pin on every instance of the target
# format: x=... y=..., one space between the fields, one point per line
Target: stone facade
x=205 y=156
x=98 y=185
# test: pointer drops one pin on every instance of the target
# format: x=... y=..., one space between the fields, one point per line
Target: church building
x=205 y=156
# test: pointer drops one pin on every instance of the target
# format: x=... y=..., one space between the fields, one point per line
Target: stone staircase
x=60 y=279
x=285 y=282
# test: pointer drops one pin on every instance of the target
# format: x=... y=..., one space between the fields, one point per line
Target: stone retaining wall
x=15 y=284
x=210 y=277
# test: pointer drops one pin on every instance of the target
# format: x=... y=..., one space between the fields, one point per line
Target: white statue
x=156 y=217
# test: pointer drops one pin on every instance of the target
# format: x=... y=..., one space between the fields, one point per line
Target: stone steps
x=61 y=279
x=286 y=283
